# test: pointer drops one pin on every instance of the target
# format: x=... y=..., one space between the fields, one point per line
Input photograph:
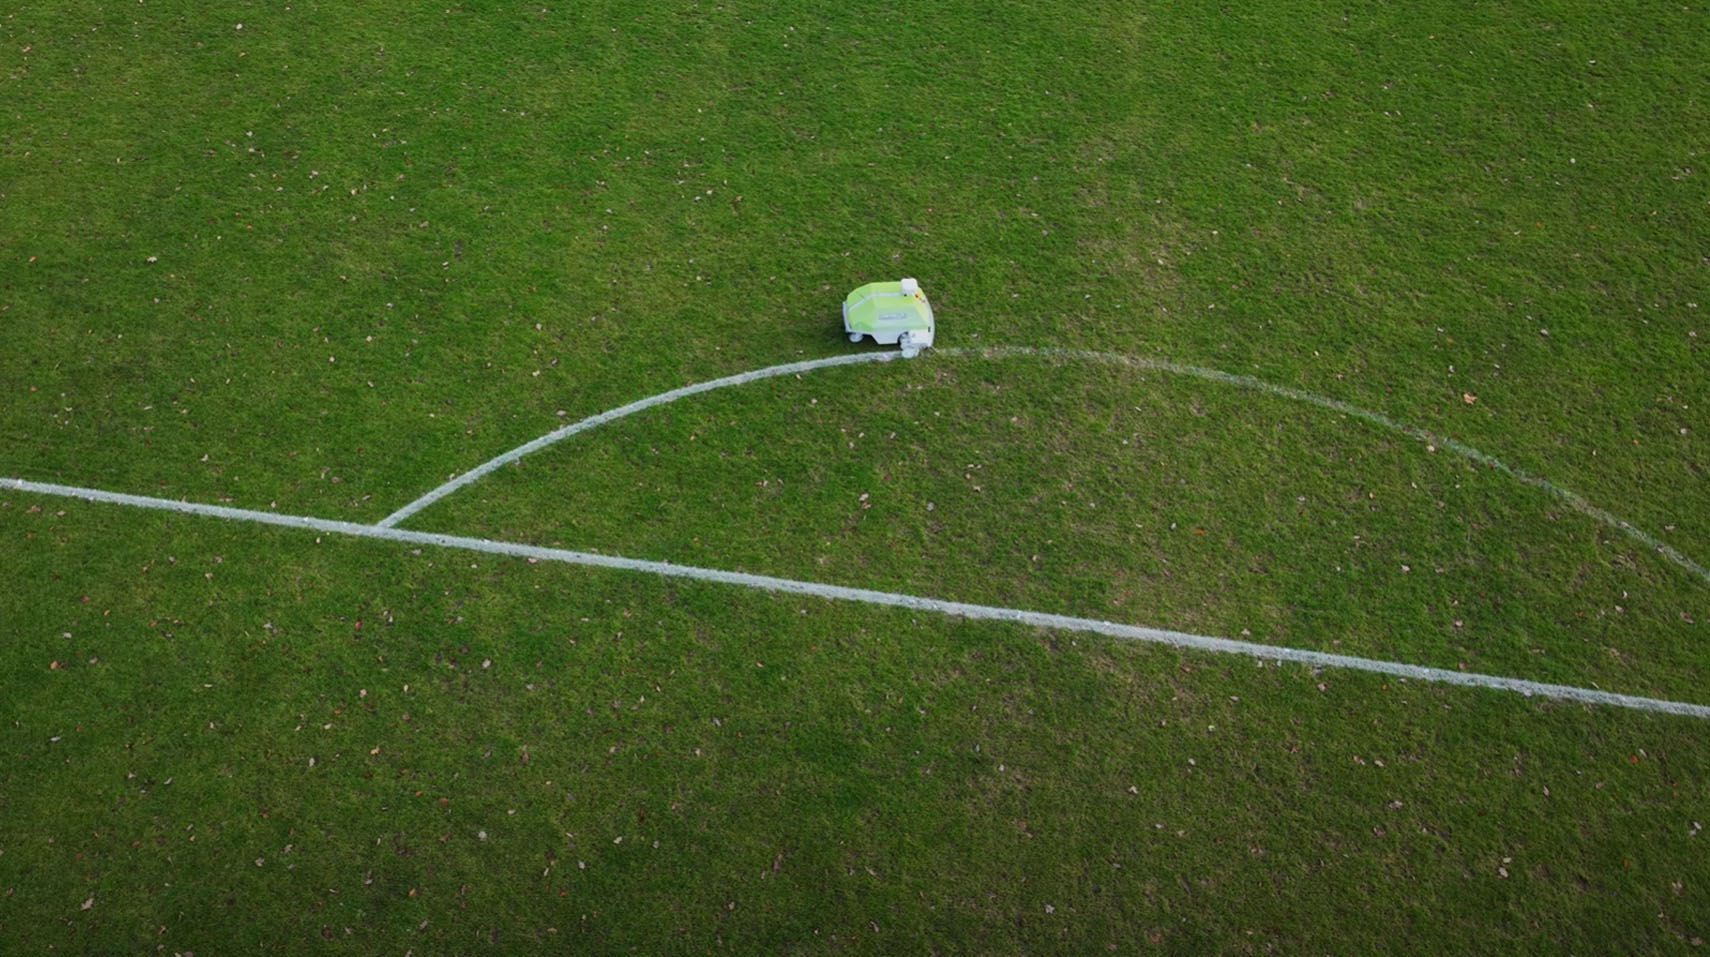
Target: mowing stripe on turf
x=1571 y=499
x=841 y=593
x=609 y=415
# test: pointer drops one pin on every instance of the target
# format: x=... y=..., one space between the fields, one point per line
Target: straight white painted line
x=868 y=596
x=487 y=467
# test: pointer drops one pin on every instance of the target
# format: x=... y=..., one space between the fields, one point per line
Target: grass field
x=314 y=259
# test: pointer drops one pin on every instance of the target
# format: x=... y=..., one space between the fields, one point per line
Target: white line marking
x=841 y=593
x=610 y=415
x=1572 y=499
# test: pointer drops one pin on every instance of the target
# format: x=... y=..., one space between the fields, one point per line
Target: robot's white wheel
x=855 y=337
x=910 y=352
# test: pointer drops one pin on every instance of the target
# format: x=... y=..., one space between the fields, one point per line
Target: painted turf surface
x=217 y=287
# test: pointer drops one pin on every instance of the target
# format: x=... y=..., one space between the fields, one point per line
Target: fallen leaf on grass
x=1468 y=398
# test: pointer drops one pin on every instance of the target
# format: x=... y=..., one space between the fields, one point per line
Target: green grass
x=320 y=262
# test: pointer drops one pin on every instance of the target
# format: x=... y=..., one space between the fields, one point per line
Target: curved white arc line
x=1573 y=499
x=593 y=421
x=769 y=583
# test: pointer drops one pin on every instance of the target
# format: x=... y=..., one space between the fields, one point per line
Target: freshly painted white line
x=841 y=593
x=1572 y=499
x=610 y=415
